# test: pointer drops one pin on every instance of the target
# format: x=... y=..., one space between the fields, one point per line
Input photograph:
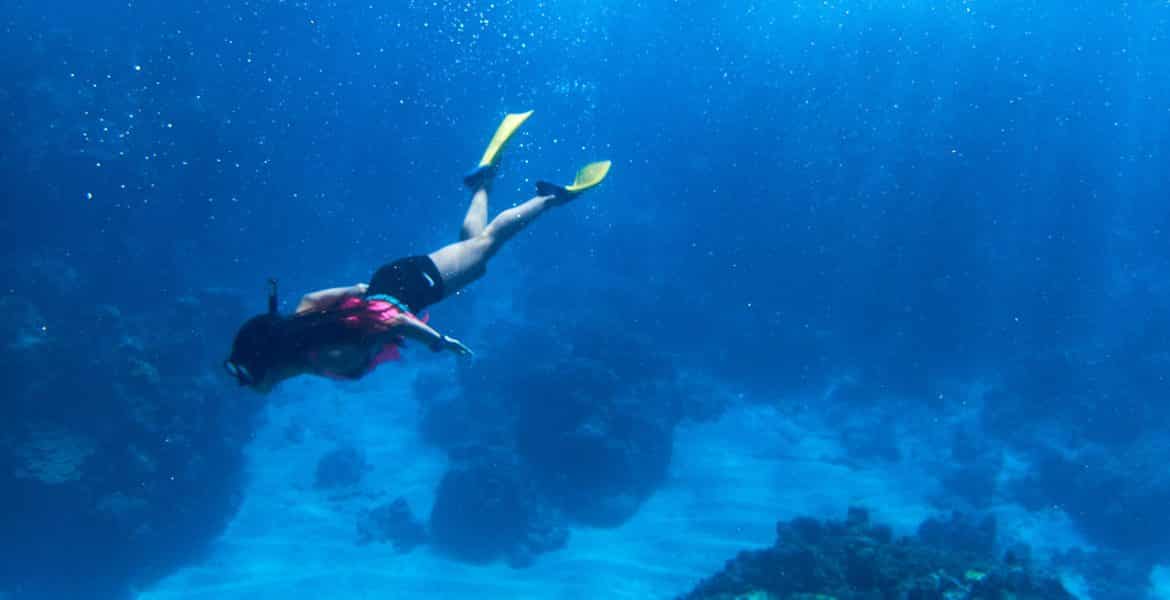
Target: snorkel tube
x=272 y=303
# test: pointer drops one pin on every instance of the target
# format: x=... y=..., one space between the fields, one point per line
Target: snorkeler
x=345 y=332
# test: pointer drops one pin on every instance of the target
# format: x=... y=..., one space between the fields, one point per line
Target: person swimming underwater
x=345 y=332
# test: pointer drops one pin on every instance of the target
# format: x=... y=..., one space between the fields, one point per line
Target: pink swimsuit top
x=377 y=315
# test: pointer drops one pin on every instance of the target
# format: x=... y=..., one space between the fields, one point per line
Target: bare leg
x=476 y=218
x=463 y=262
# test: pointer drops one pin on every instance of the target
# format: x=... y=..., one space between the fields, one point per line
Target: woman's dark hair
x=258 y=348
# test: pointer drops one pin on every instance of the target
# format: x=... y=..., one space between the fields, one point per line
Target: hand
x=449 y=343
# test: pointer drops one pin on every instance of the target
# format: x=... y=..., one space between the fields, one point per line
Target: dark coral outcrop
x=580 y=437
x=856 y=559
x=392 y=522
x=344 y=466
x=489 y=509
x=121 y=454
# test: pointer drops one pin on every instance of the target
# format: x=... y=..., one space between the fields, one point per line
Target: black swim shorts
x=415 y=281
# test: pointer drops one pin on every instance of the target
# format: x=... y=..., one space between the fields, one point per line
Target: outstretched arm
x=322 y=299
x=410 y=327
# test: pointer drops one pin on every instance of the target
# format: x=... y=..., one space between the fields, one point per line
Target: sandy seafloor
x=730 y=481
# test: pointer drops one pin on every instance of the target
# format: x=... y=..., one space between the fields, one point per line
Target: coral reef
x=1118 y=497
x=341 y=467
x=1096 y=443
x=489 y=509
x=597 y=451
x=120 y=455
x=392 y=522
x=855 y=559
x=581 y=437
x=51 y=455
x=959 y=530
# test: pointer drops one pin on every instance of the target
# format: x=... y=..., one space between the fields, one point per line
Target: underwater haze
x=875 y=301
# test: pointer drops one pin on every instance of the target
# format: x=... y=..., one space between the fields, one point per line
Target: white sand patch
x=1046 y=532
x=1076 y=584
x=1160 y=582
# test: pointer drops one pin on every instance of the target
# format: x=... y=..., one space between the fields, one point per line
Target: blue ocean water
x=911 y=257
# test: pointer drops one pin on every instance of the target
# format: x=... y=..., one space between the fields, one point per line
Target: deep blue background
x=921 y=192
x=962 y=176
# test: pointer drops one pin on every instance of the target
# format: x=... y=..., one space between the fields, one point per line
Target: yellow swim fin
x=589 y=176
x=504 y=132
